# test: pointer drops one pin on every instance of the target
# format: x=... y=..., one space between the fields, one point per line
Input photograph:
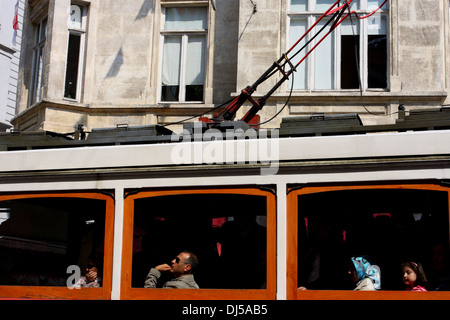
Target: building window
x=183 y=53
x=75 y=49
x=38 y=61
x=354 y=53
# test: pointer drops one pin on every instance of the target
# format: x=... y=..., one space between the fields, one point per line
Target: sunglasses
x=90 y=266
x=177 y=260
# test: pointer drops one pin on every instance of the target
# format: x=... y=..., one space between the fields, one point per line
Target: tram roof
x=302 y=126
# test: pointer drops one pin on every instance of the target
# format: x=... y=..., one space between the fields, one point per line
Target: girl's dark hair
x=418 y=270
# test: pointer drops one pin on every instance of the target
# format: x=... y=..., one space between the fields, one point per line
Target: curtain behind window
x=171 y=61
x=195 y=62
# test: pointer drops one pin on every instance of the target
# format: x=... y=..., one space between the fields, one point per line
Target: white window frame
x=311 y=15
x=184 y=41
x=37 y=74
x=80 y=31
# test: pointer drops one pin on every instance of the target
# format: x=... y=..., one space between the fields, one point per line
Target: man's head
x=185 y=263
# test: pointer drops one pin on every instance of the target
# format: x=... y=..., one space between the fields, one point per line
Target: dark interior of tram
x=41 y=237
x=227 y=232
x=389 y=226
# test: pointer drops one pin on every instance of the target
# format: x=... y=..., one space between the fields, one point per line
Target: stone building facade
x=106 y=63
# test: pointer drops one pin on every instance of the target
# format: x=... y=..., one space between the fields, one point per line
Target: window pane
x=195 y=68
x=348 y=28
x=194 y=93
x=374 y=4
x=355 y=5
x=324 y=62
x=186 y=18
x=376 y=24
x=75 y=17
x=38 y=72
x=349 y=60
x=336 y=225
x=221 y=238
x=195 y=60
x=377 y=61
x=299 y=5
x=324 y=5
x=170 y=93
x=38 y=57
x=42 y=30
x=297 y=28
x=349 y=56
x=73 y=58
x=171 y=68
x=41 y=237
x=377 y=52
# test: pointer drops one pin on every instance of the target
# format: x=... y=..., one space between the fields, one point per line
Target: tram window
x=227 y=232
x=41 y=237
x=389 y=225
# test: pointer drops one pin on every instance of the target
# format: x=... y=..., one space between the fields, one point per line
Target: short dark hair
x=418 y=270
x=192 y=260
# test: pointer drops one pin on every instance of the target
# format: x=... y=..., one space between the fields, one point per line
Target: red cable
x=307 y=31
x=335 y=24
x=346 y=3
x=368 y=15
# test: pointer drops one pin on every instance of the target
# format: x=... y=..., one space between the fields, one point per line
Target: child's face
x=409 y=276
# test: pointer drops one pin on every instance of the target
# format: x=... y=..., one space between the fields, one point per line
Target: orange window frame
x=293 y=293
x=127 y=292
x=49 y=292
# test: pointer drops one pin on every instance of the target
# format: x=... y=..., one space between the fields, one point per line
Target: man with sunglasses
x=181 y=269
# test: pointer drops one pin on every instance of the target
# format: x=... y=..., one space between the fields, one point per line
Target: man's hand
x=163 y=267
